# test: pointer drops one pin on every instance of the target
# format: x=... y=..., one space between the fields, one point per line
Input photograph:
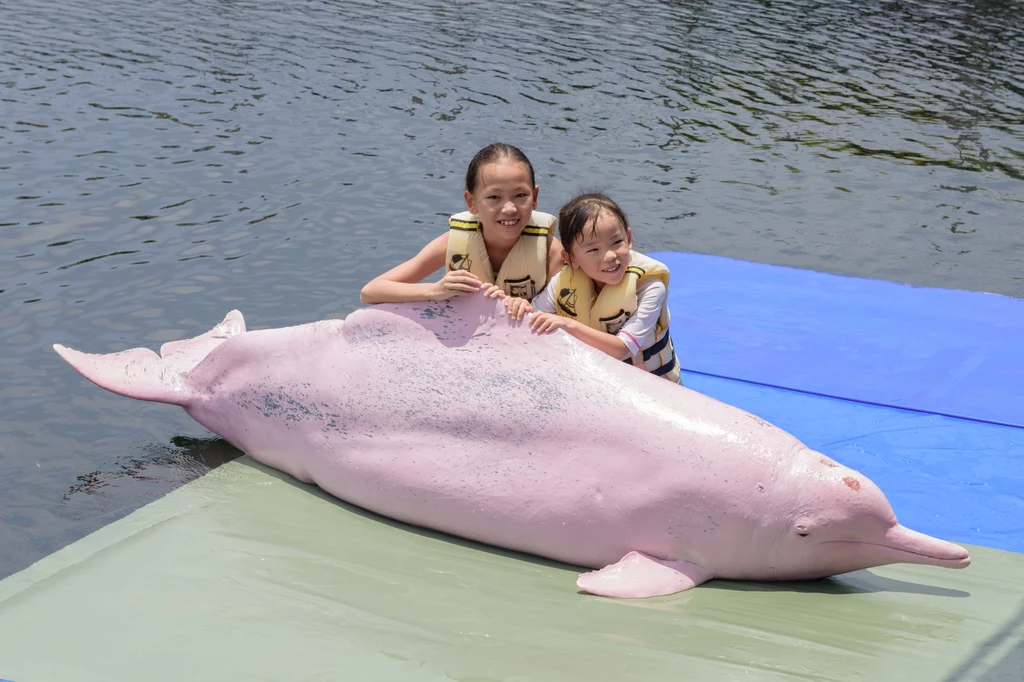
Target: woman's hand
x=455 y=283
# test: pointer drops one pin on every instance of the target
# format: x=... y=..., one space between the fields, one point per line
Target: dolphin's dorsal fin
x=639 y=575
x=186 y=354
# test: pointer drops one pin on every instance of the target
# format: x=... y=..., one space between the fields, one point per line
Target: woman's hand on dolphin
x=455 y=283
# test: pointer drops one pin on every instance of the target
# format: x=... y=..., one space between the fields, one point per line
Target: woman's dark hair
x=491 y=153
x=581 y=213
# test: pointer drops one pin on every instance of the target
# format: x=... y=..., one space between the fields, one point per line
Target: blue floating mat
x=949 y=352
x=920 y=389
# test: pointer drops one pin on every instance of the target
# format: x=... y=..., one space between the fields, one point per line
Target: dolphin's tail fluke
x=142 y=374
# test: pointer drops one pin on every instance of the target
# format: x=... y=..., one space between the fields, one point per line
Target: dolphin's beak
x=902 y=545
x=926 y=549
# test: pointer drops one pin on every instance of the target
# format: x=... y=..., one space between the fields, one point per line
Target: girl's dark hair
x=581 y=213
x=491 y=153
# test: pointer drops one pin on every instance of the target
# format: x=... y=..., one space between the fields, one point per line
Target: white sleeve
x=650 y=296
x=544 y=302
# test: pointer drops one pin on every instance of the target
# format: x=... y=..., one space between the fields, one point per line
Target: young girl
x=500 y=232
x=607 y=295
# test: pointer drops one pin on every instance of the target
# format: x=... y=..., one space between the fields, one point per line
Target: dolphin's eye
x=803 y=534
x=802 y=531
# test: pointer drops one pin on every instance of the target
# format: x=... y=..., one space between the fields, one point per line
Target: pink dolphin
x=447 y=415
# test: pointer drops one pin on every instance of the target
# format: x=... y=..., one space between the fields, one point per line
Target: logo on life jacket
x=521 y=288
x=615 y=323
x=567 y=301
x=459 y=261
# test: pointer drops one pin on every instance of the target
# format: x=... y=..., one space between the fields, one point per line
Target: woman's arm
x=405 y=282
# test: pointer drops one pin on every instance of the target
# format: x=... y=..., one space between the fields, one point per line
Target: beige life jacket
x=525 y=270
x=609 y=310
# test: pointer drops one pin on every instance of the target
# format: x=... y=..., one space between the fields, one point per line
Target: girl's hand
x=543 y=323
x=492 y=290
x=517 y=307
x=455 y=283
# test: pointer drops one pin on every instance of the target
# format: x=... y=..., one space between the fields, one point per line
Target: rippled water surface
x=162 y=163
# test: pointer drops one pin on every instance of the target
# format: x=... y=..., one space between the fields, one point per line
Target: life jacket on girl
x=609 y=310
x=525 y=270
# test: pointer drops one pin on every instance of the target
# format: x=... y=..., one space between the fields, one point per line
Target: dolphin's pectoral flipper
x=639 y=575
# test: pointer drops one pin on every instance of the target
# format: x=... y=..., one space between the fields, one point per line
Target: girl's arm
x=404 y=282
x=650 y=296
x=626 y=343
x=602 y=341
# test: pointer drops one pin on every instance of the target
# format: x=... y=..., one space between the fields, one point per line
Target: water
x=161 y=164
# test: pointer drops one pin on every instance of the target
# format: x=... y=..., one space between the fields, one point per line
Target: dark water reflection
x=162 y=163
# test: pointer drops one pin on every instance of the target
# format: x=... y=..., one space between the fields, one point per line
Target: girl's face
x=602 y=253
x=503 y=198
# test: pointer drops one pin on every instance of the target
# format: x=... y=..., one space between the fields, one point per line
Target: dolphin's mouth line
x=899 y=550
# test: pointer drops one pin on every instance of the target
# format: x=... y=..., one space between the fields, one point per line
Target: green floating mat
x=245 y=574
